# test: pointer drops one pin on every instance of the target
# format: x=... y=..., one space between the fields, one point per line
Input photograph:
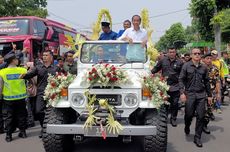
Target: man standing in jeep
x=171 y=67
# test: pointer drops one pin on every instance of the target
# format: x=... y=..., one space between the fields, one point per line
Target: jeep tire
x=158 y=142
x=57 y=142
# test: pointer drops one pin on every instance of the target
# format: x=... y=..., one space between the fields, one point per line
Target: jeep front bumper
x=77 y=129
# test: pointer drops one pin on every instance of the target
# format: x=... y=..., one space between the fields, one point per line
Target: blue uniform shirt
x=120 y=33
x=108 y=36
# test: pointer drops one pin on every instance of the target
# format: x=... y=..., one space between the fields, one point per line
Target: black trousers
x=31 y=110
x=40 y=106
x=1 y=116
x=15 y=111
x=174 y=99
x=195 y=103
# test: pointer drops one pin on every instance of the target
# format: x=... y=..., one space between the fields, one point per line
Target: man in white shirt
x=135 y=33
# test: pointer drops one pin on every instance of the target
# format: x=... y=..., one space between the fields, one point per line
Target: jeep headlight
x=78 y=99
x=130 y=100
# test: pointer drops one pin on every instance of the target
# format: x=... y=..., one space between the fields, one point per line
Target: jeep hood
x=134 y=77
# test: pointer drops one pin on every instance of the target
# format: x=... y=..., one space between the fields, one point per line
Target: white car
x=64 y=122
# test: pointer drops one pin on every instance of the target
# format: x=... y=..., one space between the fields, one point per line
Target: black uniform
x=171 y=70
x=194 y=82
x=41 y=71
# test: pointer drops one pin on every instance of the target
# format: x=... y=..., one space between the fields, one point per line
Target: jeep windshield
x=113 y=53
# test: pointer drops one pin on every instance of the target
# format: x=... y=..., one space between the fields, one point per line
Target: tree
x=174 y=34
x=23 y=8
x=202 y=12
x=223 y=18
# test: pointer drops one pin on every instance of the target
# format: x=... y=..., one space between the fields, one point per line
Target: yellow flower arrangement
x=152 y=51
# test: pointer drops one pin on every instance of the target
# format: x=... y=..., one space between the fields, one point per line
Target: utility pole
x=217 y=32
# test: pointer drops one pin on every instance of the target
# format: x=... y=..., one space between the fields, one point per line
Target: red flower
x=95 y=76
x=114 y=73
x=90 y=79
x=108 y=74
x=161 y=93
x=113 y=68
x=90 y=73
x=53 y=96
x=94 y=70
x=59 y=73
x=162 y=78
x=144 y=78
x=106 y=65
x=65 y=74
x=53 y=84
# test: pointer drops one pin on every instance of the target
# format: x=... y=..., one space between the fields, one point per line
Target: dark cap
x=206 y=55
x=106 y=24
x=9 y=57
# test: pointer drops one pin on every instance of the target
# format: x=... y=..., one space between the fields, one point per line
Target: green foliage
x=23 y=8
x=223 y=18
x=175 y=33
x=202 y=12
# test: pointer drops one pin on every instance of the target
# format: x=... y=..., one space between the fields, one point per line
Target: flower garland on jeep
x=56 y=84
x=105 y=75
x=156 y=88
x=112 y=125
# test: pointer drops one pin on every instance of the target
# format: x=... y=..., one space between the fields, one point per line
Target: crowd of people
x=22 y=101
x=199 y=82
x=195 y=79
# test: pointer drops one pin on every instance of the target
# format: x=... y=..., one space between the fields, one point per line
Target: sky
x=81 y=14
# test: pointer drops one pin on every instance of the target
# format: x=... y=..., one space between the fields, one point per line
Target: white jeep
x=64 y=122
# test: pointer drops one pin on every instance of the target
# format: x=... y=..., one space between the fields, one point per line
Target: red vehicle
x=36 y=34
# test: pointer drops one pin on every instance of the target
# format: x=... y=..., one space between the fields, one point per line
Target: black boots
x=198 y=142
x=173 y=122
x=206 y=130
x=186 y=130
x=41 y=133
x=22 y=134
x=2 y=131
x=8 y=137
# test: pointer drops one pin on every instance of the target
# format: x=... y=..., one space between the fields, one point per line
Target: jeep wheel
x=158 y=142
x=55 y=142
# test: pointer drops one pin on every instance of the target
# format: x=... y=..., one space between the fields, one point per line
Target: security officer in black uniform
x=194 y=89
x=171 y=67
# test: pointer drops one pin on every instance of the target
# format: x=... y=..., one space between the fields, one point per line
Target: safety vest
x=13 y=87
x=225 y=68
x=219 y=65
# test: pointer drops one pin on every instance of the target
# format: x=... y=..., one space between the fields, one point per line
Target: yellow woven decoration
x=79 y=41
x=152 y=52
x=97 y=24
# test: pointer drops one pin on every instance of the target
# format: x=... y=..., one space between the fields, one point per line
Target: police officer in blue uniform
x=107 y=34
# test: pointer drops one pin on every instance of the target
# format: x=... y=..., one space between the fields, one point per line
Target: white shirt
x=140 y=35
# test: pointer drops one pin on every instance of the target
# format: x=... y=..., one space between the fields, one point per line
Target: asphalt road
x=218 y=140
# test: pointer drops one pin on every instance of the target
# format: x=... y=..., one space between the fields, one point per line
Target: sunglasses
x=196 y=53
